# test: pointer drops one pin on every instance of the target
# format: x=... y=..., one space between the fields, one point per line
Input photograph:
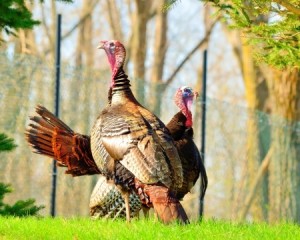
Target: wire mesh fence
x=252 y=159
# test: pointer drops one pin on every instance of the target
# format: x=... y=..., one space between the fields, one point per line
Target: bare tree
x=160 y=49
x=139 y=46
x=114 y=19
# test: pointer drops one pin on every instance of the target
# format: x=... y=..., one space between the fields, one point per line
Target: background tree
x=272 y=30
x=15 y=15
x=6 y=143
x=168 y=45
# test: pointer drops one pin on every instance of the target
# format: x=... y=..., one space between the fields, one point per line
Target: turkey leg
x=127 y=207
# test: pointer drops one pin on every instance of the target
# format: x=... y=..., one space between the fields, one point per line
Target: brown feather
x=192 y=164
x=125 y=133
x=164 y=202
x=50 y=136
x=106 y=201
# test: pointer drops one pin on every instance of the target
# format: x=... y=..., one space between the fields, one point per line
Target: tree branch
x=288 y=6
x=189 y=55
x=80 y=22
x=114 y=19
x=45 y=26
x=260 y=173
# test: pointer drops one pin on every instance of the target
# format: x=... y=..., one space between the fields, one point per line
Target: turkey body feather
x=192 y=163
x=139 y=146
x=107 y=202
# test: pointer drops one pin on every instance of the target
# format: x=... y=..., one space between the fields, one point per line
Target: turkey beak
x=196 y=94
x=101 y=45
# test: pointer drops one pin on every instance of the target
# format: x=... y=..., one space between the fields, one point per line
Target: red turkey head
x=116 y=54
x=184 y=99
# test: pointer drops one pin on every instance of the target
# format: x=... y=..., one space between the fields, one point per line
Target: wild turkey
x=128 y=136
x=50 y=136
x=181 y=129
x=142 y=189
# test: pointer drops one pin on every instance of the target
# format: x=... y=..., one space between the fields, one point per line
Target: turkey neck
x=177 y=126
x=189 y=118
x=121 y=86
x=182 y=123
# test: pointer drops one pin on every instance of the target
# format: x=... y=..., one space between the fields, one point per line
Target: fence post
x=57 y=95
x=203 y=123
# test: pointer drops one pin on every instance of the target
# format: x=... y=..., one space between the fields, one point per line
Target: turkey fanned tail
x=49 y=136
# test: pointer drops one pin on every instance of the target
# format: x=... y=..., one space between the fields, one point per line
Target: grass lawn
x=85 y=228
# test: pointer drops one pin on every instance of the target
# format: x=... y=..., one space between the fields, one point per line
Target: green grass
x=84 y=228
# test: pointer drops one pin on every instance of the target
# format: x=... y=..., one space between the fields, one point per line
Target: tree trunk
x=284 y=168
x=85 y=57
x=160 y=48
x=52 y=36
x=139 y=47
x=256 y=99
x=26 y=43
x=114 y=19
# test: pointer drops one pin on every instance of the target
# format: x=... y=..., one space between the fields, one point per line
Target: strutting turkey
x=129 y=137
x=49 y=136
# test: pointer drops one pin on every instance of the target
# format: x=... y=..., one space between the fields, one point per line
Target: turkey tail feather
x=52 y=119
x=50 y=136
x=167 y=207
x=204 y=182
